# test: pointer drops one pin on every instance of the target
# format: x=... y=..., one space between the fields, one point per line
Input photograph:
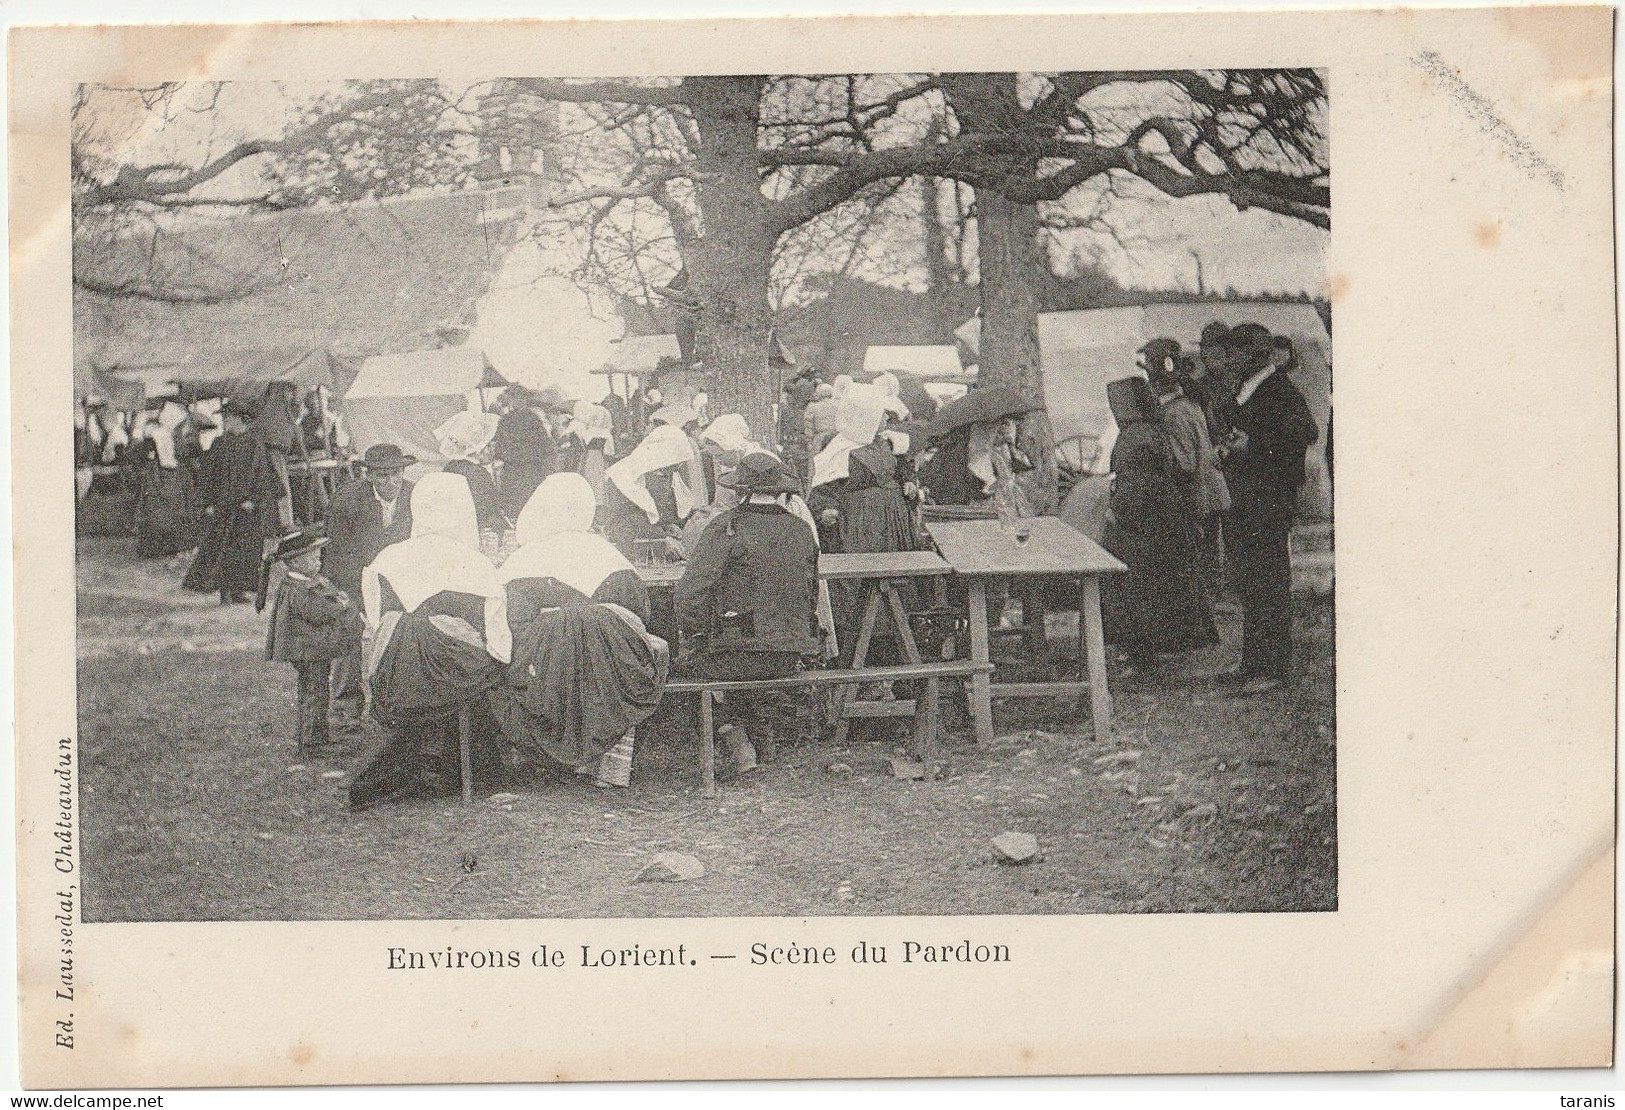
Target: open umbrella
x=980 y=406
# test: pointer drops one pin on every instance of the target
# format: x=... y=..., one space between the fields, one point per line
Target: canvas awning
x=640 y=354
x=421 y=374
x=935 y=363
x=402 y=399
x=225 y=373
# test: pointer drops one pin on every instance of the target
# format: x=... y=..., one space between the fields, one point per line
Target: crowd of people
x=1206 y=469
x=495 y=606
x=221 y=475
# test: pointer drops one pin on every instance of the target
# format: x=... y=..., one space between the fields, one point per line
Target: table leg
x=981 y=685
x=1100 y=698
x=925 y=710
x=708 y=753
x=860 y=652
x=866 y=631
x=465 y=753
x=931 y=726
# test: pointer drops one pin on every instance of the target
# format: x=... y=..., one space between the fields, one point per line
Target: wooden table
x=881 y=570
x=886 y=564
x=981 y=549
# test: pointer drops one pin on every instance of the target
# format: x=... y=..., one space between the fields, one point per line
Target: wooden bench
x=925 y=733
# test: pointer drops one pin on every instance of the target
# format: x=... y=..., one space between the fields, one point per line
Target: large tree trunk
x=730 y=264
x=1007 y=247
x=1011 y=272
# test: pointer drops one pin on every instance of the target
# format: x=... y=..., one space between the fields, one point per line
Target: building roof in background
x=371 y=278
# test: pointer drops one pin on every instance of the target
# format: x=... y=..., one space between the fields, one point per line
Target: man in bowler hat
x=367 y=515
x=1264 y=468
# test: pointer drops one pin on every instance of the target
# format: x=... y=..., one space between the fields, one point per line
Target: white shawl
x=443 y=554
x=589 y=422
x=663 y=447
x=890 y=389
x=465 y=434
x=857 y=421
x=556 y=537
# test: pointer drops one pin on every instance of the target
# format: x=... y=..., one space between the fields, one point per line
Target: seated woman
x=585 y=672
x=468 y=441
x=437 y=615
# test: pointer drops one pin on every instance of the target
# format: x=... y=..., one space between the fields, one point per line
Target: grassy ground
x=194 y=806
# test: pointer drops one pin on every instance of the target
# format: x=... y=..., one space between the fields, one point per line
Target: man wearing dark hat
x=1264 y=468
x=238 y=489
x=747 y=603
x=367 y=515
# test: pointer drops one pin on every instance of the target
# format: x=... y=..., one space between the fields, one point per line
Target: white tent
x=1084 y=350
x=919 y=361
x=636 y=356
x=640 y=354
x=401 y=399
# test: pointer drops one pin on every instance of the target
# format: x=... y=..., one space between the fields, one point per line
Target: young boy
x=312 y=623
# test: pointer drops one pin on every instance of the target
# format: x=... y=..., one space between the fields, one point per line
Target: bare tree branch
x=648 y=187
x=156 y=184
x=604 y=92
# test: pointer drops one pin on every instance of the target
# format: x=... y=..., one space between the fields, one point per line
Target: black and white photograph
x=785 y=495
x=720 y=549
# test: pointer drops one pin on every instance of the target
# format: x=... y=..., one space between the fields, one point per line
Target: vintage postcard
x=814 y=547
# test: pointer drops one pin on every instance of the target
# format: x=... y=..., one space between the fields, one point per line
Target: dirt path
x=195 y=808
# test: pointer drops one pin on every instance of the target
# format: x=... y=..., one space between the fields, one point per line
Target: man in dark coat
x=1264 y=468
x=366 y=515
x=239 y=490
x=747 y=602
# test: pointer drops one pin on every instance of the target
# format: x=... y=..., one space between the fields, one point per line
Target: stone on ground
x=1016 y=847
x=671 y=867
x=907 y=768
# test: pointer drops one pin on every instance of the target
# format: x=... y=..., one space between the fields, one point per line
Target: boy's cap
x=297 y=543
